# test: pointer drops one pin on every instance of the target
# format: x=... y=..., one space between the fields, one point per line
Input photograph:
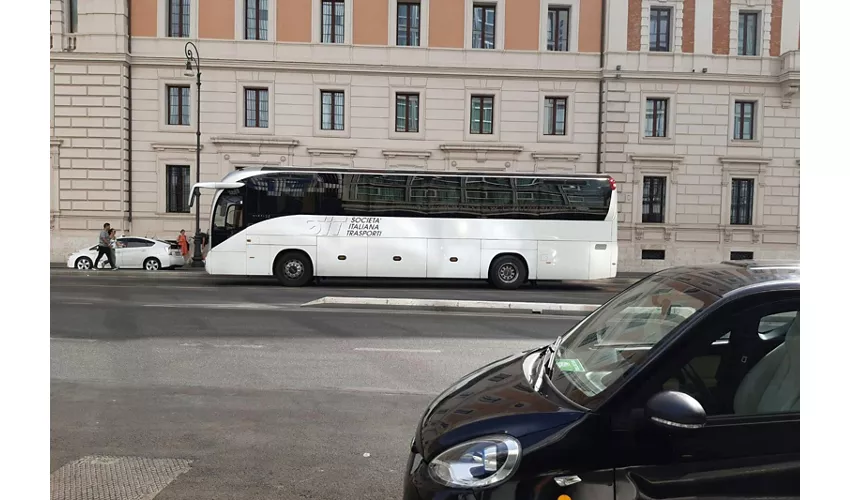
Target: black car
x=685 y=385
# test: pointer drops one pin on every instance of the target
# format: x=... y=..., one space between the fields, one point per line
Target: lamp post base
x=198 y=257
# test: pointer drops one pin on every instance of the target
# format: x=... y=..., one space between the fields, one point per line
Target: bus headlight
x=476 y=464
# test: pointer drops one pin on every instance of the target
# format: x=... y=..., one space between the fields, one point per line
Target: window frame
x=332 y=35
x=73 y=17
x=483 y=97
x=655 y=112
x=184 y=10
x=558 y=10
x=256 y=27
x=745 y=15
x=409 y=4
x=333 y=93
x=256 y=112
x=485 y=6
x=660 y=183
x=180 y=105
x=552 y=132
x=739 y=121
x=655 y=45
x=406 y=96
x=749 y=198
x=169 y=196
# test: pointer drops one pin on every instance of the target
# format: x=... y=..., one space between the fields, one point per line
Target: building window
x=481 y=115
x=652 y=254
x=178 y=18
x=407 y=31
x=656 y=118
x=742 y=202
x=483 y=26
x=333 y=110
x=745 y=112
x=558 y=30
x=256 y=20
x=178 y=104
x=740 y=255
x=653 y=199
x=256 y=108
x=659 y=29
x=333 y=21
x=748 y=29
x=177 y=194
x=555 y=116
x=72 y=16
x=407 y=113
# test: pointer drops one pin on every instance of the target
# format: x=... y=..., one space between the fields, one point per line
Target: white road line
x=62 y=339
x=379 y=349
x=239 y=346
x=244 y=305
x=70 y=303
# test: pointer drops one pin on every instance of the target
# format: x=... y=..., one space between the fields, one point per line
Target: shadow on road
x=425 y=284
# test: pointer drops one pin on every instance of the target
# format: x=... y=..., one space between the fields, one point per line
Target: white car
x=132 y=252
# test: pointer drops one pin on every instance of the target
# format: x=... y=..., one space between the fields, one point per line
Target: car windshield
x=601 y=350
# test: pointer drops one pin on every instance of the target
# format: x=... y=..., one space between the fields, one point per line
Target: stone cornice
x=171 y=146
x=332 y=152
x=254 y=140
x=555 y=156
x=480 y=148
x=406 y=153
x=657 y=158
x=737 y=160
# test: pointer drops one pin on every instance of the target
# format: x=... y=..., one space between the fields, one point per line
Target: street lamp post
x=192 y=59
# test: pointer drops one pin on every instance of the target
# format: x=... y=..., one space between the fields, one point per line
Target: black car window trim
x=655 y=371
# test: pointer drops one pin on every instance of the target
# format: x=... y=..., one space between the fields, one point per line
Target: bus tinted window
x=279 y=194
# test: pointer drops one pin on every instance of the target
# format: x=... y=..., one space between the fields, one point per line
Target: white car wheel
x=152 y=264
x=83 y=264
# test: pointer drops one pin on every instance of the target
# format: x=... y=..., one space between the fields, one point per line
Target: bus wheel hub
x=293 y=269
x=508 y=273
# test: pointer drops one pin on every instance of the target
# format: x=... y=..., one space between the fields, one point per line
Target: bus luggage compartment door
x=398 y=257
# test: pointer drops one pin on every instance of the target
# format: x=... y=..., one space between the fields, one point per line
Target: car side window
x=749 y=370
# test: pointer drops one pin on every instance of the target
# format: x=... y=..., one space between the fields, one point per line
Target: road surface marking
x=236 y=305
x=69 y=339
x=380 y=349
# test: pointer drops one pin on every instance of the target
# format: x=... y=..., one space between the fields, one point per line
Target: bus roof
x=247 y=172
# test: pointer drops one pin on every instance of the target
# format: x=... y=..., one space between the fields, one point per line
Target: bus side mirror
x=195 y=194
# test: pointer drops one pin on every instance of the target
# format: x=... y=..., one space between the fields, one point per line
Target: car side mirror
x=675 y=410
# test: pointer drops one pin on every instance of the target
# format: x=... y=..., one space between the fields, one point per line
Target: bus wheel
x=508 y=272
x=293 y=269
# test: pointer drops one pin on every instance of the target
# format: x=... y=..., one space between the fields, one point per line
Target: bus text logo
x=364 y=226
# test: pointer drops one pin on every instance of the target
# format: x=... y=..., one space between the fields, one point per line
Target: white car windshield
x=619 y=335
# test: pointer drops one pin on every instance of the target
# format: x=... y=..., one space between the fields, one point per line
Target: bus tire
x=508 y=272
x=293 y=269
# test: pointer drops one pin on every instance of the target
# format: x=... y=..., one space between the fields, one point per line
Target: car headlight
x=476 y=464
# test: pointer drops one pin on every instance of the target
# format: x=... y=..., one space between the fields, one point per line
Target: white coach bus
x=297 y=224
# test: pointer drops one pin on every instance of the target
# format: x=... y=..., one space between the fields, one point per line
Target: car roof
x=726 y=278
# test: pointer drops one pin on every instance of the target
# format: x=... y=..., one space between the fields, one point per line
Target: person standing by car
x=104 y=247
x=113 y=245
x=184 y=245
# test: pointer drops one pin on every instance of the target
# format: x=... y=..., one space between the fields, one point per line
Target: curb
x=445 y=305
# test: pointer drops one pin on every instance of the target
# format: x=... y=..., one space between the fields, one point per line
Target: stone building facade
x=699 y=106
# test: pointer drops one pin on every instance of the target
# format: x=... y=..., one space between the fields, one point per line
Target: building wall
x=90 y=133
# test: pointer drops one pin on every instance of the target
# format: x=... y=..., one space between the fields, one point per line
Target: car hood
x=495 y=399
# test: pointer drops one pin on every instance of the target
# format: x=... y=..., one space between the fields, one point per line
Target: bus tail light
x=612 y=183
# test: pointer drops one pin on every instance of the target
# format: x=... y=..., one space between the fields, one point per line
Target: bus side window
x=233 y=219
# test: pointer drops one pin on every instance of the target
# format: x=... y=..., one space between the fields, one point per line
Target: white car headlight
x=476 y=464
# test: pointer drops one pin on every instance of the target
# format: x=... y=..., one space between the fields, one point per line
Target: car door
x=743 y=450
x=133 y=251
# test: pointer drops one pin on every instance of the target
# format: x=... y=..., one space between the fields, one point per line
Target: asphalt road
x=288 y=403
